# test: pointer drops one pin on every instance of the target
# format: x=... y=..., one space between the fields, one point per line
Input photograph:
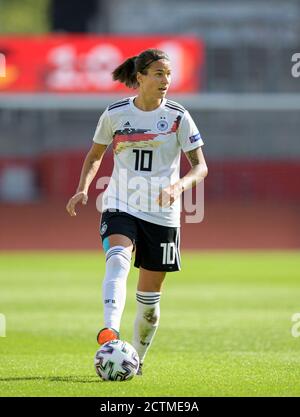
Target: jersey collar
x=146 y=113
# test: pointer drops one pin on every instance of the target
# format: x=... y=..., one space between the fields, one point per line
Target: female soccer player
x=141 y=205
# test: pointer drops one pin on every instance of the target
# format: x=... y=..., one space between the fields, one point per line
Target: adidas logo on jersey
x=127 y=124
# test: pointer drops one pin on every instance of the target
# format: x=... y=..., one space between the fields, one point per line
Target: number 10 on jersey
x=143 y=160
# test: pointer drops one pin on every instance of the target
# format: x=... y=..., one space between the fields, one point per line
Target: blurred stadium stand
x=248 y=114
x=248 y=43
x=71 y=16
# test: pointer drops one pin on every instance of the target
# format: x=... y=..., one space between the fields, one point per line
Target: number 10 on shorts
x=169 y=253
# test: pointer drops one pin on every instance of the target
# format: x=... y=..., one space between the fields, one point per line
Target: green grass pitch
x=225 y=326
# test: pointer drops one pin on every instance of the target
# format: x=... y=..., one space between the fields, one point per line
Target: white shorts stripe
x=177 y=244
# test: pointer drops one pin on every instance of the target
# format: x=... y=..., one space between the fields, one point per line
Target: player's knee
x=118 y=257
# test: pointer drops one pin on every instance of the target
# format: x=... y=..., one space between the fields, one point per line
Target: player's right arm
x=89 y=170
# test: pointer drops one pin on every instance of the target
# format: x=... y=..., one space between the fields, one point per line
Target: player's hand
x=81 y=196
x=169 y=194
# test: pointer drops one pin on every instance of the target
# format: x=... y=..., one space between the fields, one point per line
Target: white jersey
x=147 y=147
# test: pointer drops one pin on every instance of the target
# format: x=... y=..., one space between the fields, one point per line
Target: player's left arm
x=196 y=174
x=198 y=169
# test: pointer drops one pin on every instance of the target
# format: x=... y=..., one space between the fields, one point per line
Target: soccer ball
x=116 y=361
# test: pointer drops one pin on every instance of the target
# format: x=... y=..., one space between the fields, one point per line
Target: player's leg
x=157 y=252
x=148 y=310
x=118 y=249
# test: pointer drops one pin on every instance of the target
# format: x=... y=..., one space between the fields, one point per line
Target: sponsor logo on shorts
x=103 y=228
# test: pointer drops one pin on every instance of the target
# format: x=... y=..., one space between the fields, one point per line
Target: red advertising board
x=78 y=63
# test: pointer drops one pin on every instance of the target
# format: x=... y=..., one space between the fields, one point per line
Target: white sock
x=114 y=285
x=146 y=322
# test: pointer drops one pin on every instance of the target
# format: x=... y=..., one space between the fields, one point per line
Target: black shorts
x=157 y=247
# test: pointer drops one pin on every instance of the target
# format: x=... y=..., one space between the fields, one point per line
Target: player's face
x=157 y=80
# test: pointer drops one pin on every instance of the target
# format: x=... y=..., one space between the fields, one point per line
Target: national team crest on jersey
x=162 y=125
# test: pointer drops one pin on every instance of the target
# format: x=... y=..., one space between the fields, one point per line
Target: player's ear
x=139 y=77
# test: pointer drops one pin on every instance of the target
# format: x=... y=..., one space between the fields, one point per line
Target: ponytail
x=126 y=73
